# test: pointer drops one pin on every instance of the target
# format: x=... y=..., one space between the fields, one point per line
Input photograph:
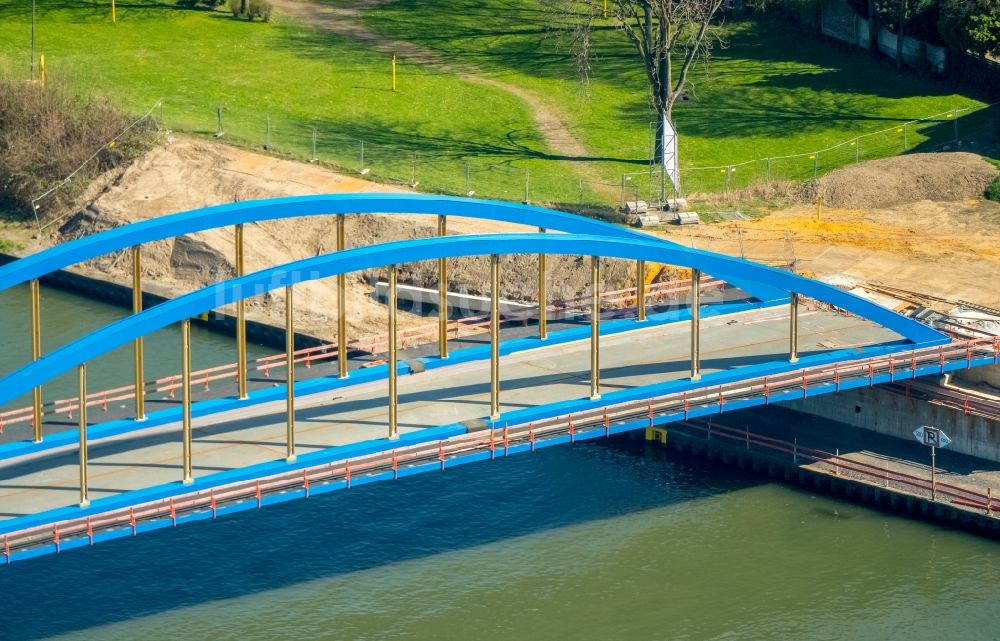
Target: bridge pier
x=696 y=325
x=289 y=375
x=139 y=365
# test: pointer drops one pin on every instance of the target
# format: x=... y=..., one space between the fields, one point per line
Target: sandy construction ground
x=932 y=233
x=946 y=248
x=951 y=250
x=186 y=174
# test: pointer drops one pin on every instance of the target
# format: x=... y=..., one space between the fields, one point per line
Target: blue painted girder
x=724 y=267
x=189 y=222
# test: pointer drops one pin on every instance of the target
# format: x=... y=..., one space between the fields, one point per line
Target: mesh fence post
x=313 y=158
x=267 y=131
x=954 y=117
x=526 y=182
x=362 y=168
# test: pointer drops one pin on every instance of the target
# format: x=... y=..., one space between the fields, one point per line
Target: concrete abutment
x=880 y=498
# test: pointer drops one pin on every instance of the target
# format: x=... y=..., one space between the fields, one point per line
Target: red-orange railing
x=424 y=334
x=678 y=405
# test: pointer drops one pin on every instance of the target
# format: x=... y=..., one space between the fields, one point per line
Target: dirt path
x=346 y=21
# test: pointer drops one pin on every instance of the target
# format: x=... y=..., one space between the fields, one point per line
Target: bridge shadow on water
x=335 y=534
x=356 y=412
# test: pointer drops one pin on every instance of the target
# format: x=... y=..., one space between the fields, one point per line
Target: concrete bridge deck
x=436 y=397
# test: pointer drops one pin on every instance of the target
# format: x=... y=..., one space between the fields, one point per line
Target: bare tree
x=873 y=28
x=899 y=35
x=669 y=36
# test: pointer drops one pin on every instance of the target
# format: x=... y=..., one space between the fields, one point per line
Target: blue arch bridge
x=336 y=415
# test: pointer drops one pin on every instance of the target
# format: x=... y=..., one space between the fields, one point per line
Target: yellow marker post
x=819 y=208
x=394 y=71
x=114 y=17
x=605 y=8
x=41 y=69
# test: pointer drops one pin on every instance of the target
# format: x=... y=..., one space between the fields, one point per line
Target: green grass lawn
x=771 y=91
x=448 y=134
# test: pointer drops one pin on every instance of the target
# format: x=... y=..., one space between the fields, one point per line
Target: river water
x=66 y=317
x=592 y=541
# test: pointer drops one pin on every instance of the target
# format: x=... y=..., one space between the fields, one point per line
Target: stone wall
x=977 y=375
x=893 y=414
x=839 y=21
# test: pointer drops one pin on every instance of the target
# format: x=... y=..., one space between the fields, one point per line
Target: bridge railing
x=372 y=344
x=844 y=466
x=956 y=399
x=593 y=423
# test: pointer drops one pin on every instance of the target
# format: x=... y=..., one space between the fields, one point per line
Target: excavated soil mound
x=185 y=174
x=904 y=179
x=183 y=259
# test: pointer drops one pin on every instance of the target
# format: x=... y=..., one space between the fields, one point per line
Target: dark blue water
x=585 y=541
x=600 y=541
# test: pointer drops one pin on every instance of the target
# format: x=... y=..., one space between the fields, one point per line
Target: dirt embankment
x=918 y=222
x=891 y=182
x=949 y=248
x=187 y=174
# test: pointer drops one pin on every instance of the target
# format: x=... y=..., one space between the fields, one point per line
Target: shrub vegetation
x=46 y=133
x=993 y=191
x=251 y=9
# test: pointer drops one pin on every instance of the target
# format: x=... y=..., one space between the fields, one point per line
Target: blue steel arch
x=727 y=268
x=189 y=222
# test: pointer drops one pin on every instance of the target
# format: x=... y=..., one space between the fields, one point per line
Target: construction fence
x=426 y=164
x=953 y=129
x=442 y=167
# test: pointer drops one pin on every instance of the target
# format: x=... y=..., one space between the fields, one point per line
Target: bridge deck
x=429 y=399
